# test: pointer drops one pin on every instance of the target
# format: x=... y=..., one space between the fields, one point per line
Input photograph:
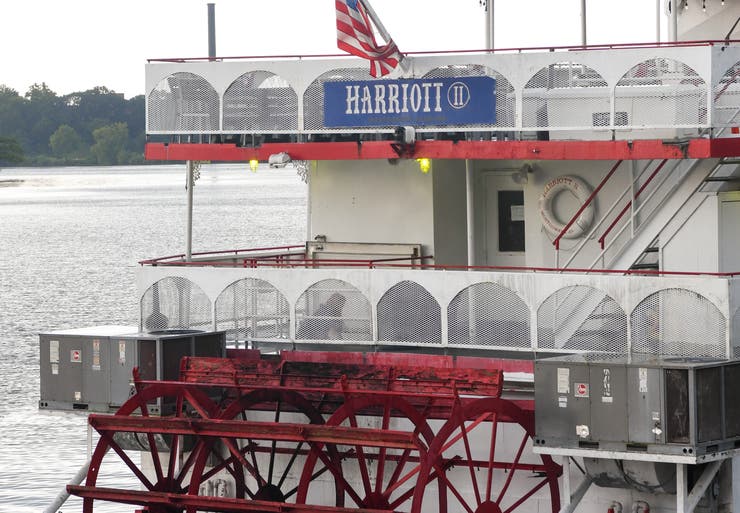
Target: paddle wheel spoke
x=491 y=455
x=514 y=467
x=370 y=486
x=526 y=496
x=470 y=438
x=123 y=432
x=260 y=465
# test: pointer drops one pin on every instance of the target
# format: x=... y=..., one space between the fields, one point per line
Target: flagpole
x=374 y=17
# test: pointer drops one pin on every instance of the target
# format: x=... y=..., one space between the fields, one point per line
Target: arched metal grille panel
x=581 y=318
x=175 y=303
x=551 y=96
x=313 y=98
x=251 y=309
x=333 y=309
x=260 y=101
x=678 y=322
x=661 y=92
x=726 y=97
x=183 y=102
x=489 y=315
x=407 y=312
x=735 y=341
x=505 y=95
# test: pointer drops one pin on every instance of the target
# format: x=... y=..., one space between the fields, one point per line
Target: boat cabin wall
x=380 y=201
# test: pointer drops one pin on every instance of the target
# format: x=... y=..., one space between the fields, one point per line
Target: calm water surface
x=69 y=242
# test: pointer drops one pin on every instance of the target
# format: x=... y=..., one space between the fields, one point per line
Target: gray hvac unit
x=639 y=405
x=91 y=368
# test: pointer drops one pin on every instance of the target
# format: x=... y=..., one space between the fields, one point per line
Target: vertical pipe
x=490 y=17
x=469 y=179
x=189 y=226
x=584 y=40
x=211 y=31
x=673 y=20
x=657 y=21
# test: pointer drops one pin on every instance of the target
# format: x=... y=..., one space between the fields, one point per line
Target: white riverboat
x=470 y=216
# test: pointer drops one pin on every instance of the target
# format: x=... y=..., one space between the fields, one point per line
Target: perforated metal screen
x=333 y=310
x=505 y=97
x=489 y=315
x=252 y=309
x=678 y=322
x=175 y=303
x=260 y=101
x=664 y=92
x=407 y=312
x=183 y=102
x=313 y=98
x=582 y=318
x=727 y=98
x=551 y=95
x=735 y=340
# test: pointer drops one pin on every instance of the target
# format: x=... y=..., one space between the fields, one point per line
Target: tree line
x=93 y=127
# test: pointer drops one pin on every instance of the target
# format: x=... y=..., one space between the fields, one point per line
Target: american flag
x=355 y=36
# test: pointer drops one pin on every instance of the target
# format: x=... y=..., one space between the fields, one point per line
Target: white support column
x=470 y=203
x=681 y=485
x=584 y=24
x=189 y=227
x=490 y=19
x=675 y=5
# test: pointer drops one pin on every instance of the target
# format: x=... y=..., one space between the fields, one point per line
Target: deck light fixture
x=424 y=165
x=253 y=163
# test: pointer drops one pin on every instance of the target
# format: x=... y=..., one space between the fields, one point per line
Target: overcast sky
x=74 y=45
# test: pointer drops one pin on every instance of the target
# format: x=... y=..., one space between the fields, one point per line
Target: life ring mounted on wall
x=581 y=190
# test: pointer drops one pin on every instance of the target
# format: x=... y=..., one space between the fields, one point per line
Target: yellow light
x=424 y=165
x=253 y=164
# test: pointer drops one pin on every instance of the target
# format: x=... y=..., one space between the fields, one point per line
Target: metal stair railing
x=601 y=221
x=630 y=202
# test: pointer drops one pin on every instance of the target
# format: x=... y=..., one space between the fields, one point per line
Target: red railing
x=585 y=205
x=629 y=203
x=397 y=263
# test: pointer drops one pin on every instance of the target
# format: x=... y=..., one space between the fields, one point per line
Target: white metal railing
x=441 y=311
x=624 y=92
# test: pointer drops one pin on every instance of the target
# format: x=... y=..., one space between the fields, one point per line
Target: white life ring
x=581 y=190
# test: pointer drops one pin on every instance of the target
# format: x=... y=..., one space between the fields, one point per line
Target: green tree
x=10 y=151
x=110 y=144
x=65 y=142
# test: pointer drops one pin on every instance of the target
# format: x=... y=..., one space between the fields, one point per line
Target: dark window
x=510 y=221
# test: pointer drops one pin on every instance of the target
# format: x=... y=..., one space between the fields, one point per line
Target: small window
x=510 y=221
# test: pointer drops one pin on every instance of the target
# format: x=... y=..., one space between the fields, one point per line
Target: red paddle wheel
x=314 y=432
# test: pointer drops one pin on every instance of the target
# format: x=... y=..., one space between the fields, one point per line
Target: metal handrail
x=629 y=203
x=585 y=205
x=614 y=46
x=598 y=224
x=235 y=252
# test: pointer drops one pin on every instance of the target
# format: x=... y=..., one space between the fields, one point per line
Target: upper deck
x=627 y=101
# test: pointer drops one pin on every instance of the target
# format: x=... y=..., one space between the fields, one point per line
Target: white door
x=503 y=220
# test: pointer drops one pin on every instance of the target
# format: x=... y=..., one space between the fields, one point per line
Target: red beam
x=480 y=150
x=280 y=431
x=198 y=503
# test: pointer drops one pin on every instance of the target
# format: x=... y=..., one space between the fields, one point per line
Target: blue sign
x=410 y=102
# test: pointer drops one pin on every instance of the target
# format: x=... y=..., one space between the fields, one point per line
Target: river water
x=69 y=242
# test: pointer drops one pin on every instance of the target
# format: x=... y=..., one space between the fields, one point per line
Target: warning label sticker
x=581 y=389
